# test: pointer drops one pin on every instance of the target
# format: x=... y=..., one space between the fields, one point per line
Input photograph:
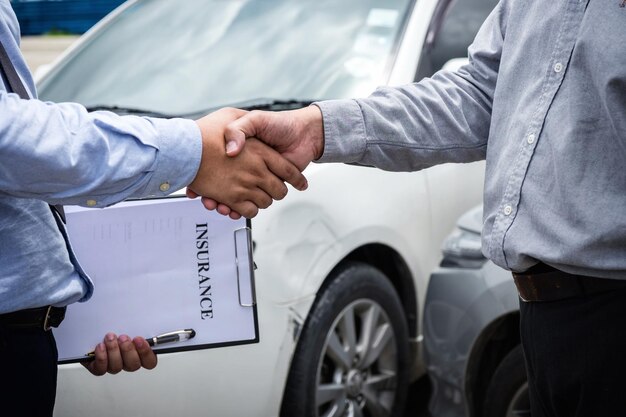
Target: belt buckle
x=46 y=326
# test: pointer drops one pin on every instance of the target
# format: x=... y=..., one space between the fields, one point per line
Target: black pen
x=177 y=336
x=171 y=337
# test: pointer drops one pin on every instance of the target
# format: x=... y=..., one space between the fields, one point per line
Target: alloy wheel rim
x=357 y=369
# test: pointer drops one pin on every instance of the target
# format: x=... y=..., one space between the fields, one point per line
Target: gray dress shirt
x=543 y=99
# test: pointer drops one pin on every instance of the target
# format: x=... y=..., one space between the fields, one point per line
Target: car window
x=183 y=57
x=453 y=28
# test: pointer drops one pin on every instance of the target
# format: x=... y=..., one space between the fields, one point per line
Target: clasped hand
x=244 y=183
x=250 y=174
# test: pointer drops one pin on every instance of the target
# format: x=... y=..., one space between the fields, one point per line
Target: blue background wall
x=73 y=16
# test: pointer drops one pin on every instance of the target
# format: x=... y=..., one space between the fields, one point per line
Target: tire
x=507 y=394
x=338 y=372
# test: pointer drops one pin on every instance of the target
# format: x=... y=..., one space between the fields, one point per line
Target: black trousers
x=28 y=372
x=575 y=352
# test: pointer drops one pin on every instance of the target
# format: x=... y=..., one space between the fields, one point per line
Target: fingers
x=113 y=353
x=128 y=351
x=287 y=171
x=121 y=353
x=191 y=194
x=223 y=209
x=146 y=355
x=274 y=187
x=99 y=365
x=280 y=169
x=209 y=203
x=247 y=209
x=107 y=357
x=257 y=181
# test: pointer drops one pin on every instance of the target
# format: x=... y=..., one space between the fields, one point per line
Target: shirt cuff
x=178 y=159
x=344 y=131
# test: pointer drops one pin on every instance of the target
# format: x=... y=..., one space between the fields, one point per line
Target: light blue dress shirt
x=61 y=154
x=543 y=99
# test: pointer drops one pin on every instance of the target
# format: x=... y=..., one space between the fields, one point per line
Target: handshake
x=248 y=156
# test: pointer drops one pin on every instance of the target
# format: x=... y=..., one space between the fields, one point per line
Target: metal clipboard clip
x=245 y=266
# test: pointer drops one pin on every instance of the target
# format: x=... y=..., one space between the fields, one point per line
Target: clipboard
x=159 y=266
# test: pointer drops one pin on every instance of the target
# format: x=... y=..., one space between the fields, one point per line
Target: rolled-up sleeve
x=445 y=118
x=63 y=154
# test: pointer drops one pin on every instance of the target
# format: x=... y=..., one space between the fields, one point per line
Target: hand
x=246 y=182
x=298 y=135
x=115 y=354
x=211 y=204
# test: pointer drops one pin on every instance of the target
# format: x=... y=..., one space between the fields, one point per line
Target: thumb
x=239 y=130
x=251 y=125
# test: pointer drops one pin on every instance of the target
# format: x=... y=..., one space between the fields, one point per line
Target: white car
x=342 y=267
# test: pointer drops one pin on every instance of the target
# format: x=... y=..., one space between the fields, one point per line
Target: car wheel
x=507 y=395
x=352 y=358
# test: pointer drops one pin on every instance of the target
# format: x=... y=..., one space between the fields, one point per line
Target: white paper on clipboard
x=159 y=266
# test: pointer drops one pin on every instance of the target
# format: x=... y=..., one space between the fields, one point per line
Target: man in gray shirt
x=543 y=100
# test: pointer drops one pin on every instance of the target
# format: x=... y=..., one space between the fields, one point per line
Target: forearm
x=62 y=154
x=445 y=118
x=411 y=127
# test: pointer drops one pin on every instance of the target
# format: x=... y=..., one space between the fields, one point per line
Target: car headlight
x=462 y=249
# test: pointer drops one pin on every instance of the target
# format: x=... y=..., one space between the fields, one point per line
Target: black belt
x=43 y=317
x=544 y=283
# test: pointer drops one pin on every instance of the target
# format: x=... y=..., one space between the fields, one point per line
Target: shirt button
x=531 y=139
x=164 y=187
x=91 y=203
x=508 y=210
x=558 y=67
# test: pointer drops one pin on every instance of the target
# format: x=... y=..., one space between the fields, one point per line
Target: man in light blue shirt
x=543 y=100
x=61 y=154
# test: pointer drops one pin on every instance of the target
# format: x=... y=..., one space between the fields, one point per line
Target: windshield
x=183 y=57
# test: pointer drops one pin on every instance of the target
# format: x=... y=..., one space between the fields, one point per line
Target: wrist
x=313 y=130
x=207 y=152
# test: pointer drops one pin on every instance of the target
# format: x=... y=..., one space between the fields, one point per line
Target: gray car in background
x=471 y=332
